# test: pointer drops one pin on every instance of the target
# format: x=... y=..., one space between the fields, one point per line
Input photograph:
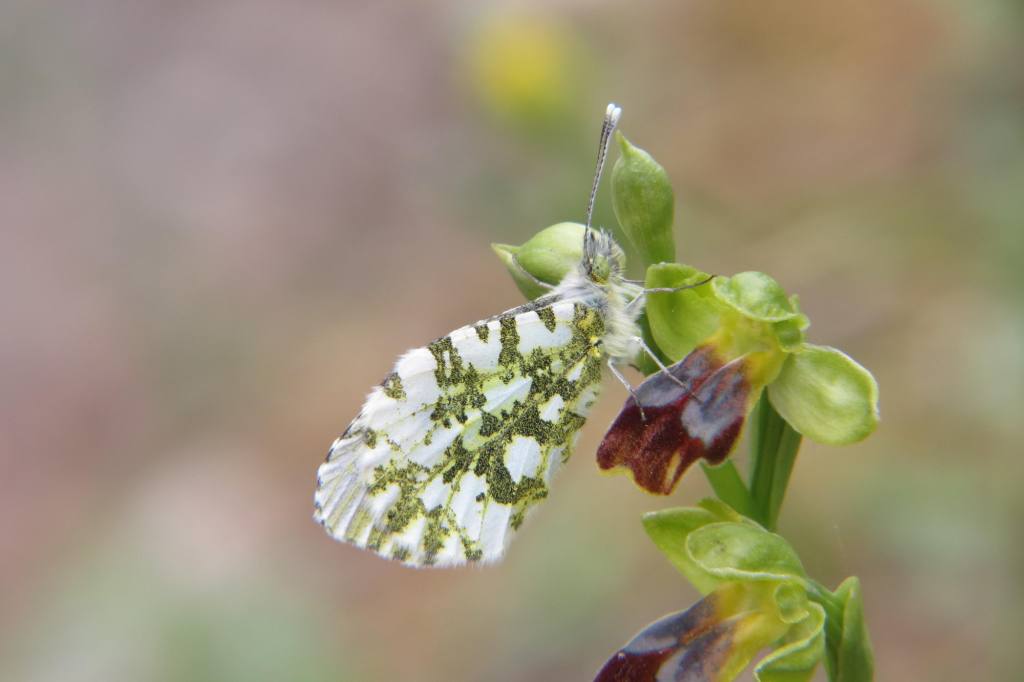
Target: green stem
x=727 y=483
x=773 y=448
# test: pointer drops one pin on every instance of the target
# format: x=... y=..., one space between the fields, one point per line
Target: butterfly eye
x=600 y=269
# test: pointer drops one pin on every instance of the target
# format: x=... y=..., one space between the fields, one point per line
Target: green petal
x=790 y=333
x=826 y=396
x=755 y=295
x=680 y=320
x=796 y=660
x=738 y=551
x=791 y=601
x=548 y=256
x=643 y=202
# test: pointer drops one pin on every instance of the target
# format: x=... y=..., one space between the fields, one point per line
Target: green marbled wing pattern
x=461 y=440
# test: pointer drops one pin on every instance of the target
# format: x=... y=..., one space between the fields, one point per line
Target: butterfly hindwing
x=460 y=441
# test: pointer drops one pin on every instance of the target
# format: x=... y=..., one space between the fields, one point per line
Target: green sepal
x=680 y=320
x=804 y=647
x=825 y=395
x=757 y=296
x=644 y=203
x=548 y=256
x=669 y=530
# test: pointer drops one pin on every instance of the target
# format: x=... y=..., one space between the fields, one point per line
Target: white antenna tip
x=612 y=113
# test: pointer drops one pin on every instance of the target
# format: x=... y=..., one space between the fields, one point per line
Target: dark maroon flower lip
x=672 y=424
x=689 y=645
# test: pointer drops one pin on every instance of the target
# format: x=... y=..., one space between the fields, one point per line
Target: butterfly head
x=603 y=259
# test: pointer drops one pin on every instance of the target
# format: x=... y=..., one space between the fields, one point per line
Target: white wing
x=458 y=443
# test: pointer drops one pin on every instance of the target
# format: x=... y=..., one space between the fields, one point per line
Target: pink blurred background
x=221 y=221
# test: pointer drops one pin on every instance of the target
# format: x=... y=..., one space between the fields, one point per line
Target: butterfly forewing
x=459 y=442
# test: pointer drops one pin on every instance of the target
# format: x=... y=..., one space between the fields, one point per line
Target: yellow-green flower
x=732 y=340
x=757 y=597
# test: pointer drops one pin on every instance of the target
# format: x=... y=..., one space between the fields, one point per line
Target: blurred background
x=221 y=221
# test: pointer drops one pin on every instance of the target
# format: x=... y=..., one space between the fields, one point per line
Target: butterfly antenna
x=611 y=119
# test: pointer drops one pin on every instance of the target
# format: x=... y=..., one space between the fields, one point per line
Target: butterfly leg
x=661 y=366
x=662 y=290
x=690 y=388
x=629 y=387
x=669 y=290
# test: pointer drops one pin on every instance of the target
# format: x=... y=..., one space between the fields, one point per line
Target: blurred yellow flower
x=524 y=68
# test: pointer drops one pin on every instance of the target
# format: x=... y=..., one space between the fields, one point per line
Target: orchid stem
x=773 y=448
x=728 y=485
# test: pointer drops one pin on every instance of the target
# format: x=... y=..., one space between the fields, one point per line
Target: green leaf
x=547 y=256
x=682 y=319
x=755 y=295
x=643 y=202
x=738 y=551
x=825 y=395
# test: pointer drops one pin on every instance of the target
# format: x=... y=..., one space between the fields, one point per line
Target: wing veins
x=510 y=426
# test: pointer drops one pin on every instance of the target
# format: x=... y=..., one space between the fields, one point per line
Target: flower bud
x=547 y=256
x=643 y=202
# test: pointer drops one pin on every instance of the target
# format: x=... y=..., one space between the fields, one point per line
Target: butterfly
x=460 y=441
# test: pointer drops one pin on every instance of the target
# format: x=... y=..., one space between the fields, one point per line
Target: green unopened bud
x=643 y=202
x=546 y=257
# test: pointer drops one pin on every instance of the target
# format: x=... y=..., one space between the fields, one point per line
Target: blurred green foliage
x=223 y=222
